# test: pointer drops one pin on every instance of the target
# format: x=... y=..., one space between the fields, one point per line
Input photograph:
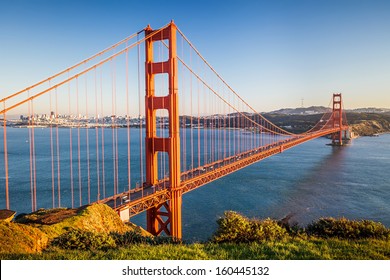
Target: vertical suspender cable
x=7 y=204
x=191 y=115
x=234 y=126
x=199 y=152
x=205 y=148
x=52 y=150
x=139 y=114
x=103 y=124
x=184 y=128
x=78 y=141
x=218 y=130
x=71 y=149
x=87 y=139
x=31 y=158
x=34 y=158
x=97 y=138
x=128 y=123
x=225 y=137
x=116 y=135
x=113 y=123
x=228 y=128
x=211 y=106
x=58 y=153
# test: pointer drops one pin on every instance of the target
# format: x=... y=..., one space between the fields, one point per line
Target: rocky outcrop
x=370 y=127
x=7 y=215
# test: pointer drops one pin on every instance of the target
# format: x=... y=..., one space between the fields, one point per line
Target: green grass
x=292 y=249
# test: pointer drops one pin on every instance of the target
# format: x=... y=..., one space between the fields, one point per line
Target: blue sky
x=273 y=53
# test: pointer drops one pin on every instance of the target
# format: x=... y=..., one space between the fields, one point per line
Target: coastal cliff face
x=370 y=127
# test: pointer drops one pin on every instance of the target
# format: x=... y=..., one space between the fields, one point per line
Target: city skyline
x=272 y=54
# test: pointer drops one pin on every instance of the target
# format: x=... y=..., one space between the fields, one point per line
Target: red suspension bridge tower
x=337 y=138
x=165 y=217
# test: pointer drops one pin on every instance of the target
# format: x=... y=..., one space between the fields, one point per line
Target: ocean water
x=310 y=181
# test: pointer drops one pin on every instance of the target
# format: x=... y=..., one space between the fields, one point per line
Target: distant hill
x=369 y=110
x=313 y=110
x=368 y=123
x=362 y=124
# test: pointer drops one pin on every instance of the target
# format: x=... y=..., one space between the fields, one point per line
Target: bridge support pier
x=167 y=216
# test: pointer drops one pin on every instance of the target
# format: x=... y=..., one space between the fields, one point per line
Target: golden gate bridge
x=189 y=128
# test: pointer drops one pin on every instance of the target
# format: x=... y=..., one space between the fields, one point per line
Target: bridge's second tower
x=337 y=138
x=166 y=217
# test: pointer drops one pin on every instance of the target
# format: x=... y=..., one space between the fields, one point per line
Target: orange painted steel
x=166 y=216
x=337 y=138
x=6 y=160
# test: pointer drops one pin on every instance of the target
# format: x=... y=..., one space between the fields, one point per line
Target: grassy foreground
x=96 y=233
x=314 y=248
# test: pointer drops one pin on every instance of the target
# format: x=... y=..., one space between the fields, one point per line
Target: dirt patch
x=47 y=217
x=54 y=218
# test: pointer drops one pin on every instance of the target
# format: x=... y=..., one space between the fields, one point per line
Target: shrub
x=83 y=240
x=267 y=230
x=347 y=229
x=234 y=227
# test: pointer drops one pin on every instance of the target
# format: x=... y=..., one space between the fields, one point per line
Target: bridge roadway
x=135 y=201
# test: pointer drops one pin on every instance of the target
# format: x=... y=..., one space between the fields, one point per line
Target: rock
x=7 y=215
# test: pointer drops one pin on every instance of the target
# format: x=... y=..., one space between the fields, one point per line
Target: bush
x=234 y=227
x=347 y=229
x=83 y=240
x=267 y=230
